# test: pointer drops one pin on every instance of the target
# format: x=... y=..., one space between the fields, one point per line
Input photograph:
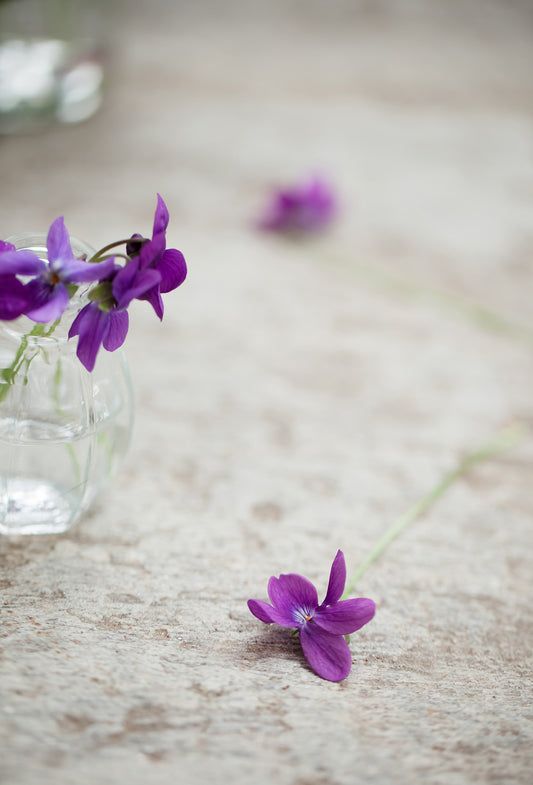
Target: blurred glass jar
x=52 y=55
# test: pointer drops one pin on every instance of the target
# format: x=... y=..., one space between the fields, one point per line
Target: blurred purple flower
x=154 y=255
x=322 y=627
x=47 y=293
x=308 y=208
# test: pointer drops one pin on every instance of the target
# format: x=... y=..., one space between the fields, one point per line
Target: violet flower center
x=303 y=615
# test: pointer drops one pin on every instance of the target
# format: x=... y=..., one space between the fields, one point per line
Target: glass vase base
x=33 y=506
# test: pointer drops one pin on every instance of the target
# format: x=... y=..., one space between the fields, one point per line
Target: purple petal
x=152 y=251
x=79 y=271
x=90 y=325
x=6 y=246
x=261 y=610
x=161 y=217
x=129 y=283
x=337 y=579
x=318 y=205
x=153 y=296
x=83 y=320
x=124 y=279
x=294 y=597
x=117 y=329
x=284 y=616
x=58 y=241
x=145 y=281
x=173 y=269
x=284 y=608
x=13 y=297
x=328 y=655
x=346 y=616
x=300 y=590
x=47 y=302
x=21 y=263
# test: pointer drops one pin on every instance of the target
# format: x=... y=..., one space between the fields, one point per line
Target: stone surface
x=297 y=398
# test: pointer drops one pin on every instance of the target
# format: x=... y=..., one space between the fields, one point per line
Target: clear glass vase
x=63 y=431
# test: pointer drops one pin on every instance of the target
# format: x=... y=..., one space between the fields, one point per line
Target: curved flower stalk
x=42 y=290
x=322 y=627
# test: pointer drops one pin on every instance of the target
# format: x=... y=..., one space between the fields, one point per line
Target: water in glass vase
x=50 y=475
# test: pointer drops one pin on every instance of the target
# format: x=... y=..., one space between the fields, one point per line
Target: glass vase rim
x=29 y=240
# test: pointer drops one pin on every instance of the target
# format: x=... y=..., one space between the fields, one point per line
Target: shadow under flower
x=276 y=643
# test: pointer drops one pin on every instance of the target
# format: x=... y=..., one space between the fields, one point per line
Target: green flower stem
x=103 y=258
x=101 y=253
x=7 y=375
x=504 y=441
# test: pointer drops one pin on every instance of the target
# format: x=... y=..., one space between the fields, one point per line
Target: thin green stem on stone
x=469 y=310
x=504 y=441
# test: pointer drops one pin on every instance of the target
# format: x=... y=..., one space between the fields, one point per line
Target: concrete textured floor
x=298 y=397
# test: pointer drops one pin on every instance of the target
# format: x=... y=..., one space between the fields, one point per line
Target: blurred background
x=419 y=112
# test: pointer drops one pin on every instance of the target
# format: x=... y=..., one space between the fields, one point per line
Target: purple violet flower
x=42 y=290
x=105 y=320
x=308 y=208
x=322 y=627
x=154 y=255
x=47 y=292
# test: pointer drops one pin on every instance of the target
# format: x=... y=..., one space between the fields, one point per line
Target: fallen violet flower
x=322 y=627
x=307 y=208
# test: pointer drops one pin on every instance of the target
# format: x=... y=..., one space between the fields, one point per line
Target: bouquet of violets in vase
x=65 y=405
